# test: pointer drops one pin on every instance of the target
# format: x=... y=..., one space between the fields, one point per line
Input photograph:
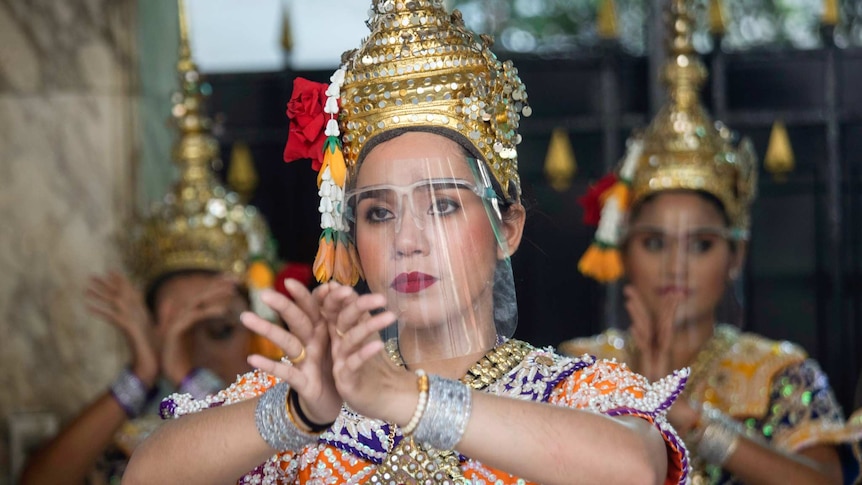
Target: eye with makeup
x=428 y=198
x=696 y=243
x=443 y=206
x=219 y=329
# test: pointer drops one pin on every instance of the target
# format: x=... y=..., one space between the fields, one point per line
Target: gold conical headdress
x=421 y=67
x=681 y=149
x=199 y=224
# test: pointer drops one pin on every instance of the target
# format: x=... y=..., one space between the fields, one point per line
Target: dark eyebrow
x=710 y=231
x=372 y=194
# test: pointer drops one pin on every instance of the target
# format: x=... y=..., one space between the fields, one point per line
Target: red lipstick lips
x=412 y=282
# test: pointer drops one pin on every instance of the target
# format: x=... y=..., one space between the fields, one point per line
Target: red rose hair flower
x=306 y=135
x=592 y=201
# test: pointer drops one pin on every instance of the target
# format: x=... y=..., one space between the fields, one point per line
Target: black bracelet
x=314 y=427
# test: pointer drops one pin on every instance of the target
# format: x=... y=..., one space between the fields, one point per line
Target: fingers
x=351 y=307
x=187 y=319
x=218 y=290
x=289 y=343
x=179 y=315
x=283 y=370
x=360 y=328
x=357 y=359
x=299 y=313
x=666 y=321
x=637 y=310
x=113 y=298
x=336 y=299
x=104 y=311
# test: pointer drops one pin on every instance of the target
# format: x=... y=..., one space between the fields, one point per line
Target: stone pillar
x=68 y=158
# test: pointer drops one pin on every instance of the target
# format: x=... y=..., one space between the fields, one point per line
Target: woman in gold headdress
x=415 y=142
x=754 y=410
x=193 y=256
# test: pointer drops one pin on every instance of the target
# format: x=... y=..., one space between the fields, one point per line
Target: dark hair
x=152 y=289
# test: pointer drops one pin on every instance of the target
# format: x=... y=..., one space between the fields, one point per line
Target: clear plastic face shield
x=430 y=237
x=681 y=265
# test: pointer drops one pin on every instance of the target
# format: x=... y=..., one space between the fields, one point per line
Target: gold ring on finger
x=296 y=360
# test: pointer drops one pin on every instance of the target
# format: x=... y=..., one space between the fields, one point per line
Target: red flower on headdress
x=297 y=271
x=306 y=135
x=592 y=201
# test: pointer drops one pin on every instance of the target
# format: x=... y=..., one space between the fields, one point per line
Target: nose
x=676 y=261
x=410 y=236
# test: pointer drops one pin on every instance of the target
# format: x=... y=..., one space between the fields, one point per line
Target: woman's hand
x=307 y=366
x=652 y=334
x=365 y=376
x=116 y=300
x=179 y=317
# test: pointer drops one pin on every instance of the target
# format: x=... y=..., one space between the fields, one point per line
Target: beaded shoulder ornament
x=682 y=149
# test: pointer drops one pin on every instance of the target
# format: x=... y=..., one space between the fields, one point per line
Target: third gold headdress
x=420 y=68
x=199 y=224
x=682 y=149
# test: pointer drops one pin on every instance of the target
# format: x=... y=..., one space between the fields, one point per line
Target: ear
x=737 y=260
x=513 y=229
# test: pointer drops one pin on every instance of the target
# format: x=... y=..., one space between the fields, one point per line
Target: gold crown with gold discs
x=199 y=224
x=420 y=67
x=683 y=148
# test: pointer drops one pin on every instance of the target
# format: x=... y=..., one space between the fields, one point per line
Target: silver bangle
x=130 y=392
x=201 y=383
x=719 y=438
x=275 y=426
x=447 y=412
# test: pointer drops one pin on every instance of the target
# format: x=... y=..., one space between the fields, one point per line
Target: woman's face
x=677 y=246
x=220 y=343
x=423 y=235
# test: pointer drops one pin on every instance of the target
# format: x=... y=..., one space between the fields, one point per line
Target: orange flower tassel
x=604 y=264
x=260 y=275
x=345 y=271
x=325 y=260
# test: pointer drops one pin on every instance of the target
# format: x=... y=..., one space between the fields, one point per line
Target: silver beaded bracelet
x=201 y=383
x=447 y=412
x=719 y=437
x=275 y=424
x=130 y=392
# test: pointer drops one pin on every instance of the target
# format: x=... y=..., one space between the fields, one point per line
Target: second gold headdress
x=682 y=149
x=420 y=68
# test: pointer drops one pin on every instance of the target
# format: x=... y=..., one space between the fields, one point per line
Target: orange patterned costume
x=773 y=388
x=357 y=449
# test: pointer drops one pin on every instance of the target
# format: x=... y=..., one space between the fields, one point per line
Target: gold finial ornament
x=420 y=67
x=241 y=175
x=683 y=148
x=199 y=224
x=830 y=16
x=286 y=31
x=716 y=17
x=779 y=159
x=560 y=163
x=606 y=20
